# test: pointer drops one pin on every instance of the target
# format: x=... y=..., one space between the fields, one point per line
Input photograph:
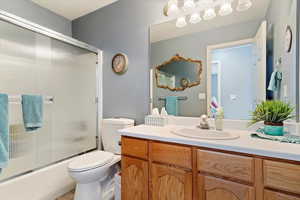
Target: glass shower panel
x=31 y=63
x=74 y=88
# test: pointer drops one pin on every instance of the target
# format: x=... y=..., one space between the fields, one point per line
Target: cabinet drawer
x=171 y=154
x=228 y=165
x=282 y=176
x=135 y=147
x=270 y=195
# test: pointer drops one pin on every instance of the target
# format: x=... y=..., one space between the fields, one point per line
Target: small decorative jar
x=274 y=129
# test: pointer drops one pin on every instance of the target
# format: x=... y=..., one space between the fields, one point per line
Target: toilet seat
x=91 y=161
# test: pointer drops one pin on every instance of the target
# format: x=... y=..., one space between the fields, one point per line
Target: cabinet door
x=134 y=179
x=218 y=189
x=170 y=183
x=270 y=195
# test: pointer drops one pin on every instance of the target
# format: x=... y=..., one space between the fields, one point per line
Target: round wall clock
x=288 y=39
x=120 y=63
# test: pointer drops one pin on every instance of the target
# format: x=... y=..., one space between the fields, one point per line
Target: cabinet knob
x=120 y=143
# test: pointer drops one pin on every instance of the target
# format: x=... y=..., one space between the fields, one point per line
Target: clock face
x=119 y=63
x=288 y=39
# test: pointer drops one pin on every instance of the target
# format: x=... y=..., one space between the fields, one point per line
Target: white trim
x=99 y=98
x=5 y=16
x=151 y=90
x=209 y=61
x=219 y=81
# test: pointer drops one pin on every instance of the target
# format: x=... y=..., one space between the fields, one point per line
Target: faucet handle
x=204 y=122
x=204 y=118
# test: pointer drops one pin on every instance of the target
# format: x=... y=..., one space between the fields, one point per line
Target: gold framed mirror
x=178 y=73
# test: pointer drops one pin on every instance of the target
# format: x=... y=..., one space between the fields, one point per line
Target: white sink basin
x=205 y=134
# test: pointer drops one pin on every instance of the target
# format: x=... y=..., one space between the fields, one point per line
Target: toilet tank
x=110 y=135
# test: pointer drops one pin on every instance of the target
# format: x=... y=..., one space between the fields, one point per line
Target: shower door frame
x=23 y=23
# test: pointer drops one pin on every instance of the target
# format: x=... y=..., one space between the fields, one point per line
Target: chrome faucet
x=204 y=122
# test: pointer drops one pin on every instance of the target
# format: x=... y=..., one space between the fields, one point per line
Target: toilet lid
x=91 y=160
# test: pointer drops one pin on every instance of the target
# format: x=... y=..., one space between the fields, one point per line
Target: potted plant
x=273 y=114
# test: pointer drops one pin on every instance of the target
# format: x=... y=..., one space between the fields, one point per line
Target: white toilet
x=90 y=169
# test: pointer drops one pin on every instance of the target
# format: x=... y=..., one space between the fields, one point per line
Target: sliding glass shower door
x=32 y=63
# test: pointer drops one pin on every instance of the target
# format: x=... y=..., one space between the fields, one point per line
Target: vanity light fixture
x=209 y=14
x=188 y=5
x=173 y=8
x=181 y=22
x=226 y=8
x=244 y=5
x=195 y=18
x=182 y=9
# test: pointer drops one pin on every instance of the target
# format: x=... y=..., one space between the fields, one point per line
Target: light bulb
x=195 y=18
x=173 y=8
x=244 y=5
x=225 y=9
x=189 y=4
x=180 y=23
x=209 y=14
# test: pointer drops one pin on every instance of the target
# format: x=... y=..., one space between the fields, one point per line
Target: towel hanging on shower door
x=4 y=131
x=32 y=108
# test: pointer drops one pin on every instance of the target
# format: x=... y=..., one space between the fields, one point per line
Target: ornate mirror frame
x=175 y=58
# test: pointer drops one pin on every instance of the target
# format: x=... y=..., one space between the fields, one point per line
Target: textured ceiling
x=72 y=9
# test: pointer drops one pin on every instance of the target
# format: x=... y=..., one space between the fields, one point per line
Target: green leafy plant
x=273 y=112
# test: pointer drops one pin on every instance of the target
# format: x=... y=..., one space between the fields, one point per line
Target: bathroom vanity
x=197 y=70
x=159 y=165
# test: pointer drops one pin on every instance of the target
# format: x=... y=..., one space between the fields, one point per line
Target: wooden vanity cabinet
x=170 y=183
x=134 y=179
x=135 y=169
x=270 y=195
x=170 y=171
x=282 y=176
x=212 y=188
x=153 y=170
x=235 y=172
x=226 y=165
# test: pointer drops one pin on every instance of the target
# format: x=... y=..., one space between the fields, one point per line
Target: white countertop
x=244 y=144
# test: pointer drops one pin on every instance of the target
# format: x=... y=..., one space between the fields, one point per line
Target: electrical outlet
x=202 y=96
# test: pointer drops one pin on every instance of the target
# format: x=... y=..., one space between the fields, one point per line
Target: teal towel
x=172 y=105
x=32 y=108
x=4 y=131
x=275 y=81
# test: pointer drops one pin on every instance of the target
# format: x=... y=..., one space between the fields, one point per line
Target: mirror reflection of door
x=216 y=90
x=232 y=80
x=260 y=53
x=241 y=68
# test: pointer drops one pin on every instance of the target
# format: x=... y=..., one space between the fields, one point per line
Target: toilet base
x=89 y=191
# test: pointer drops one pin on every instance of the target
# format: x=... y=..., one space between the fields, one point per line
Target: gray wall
x=123 y=27
x=194 y=46
x=32 y=12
